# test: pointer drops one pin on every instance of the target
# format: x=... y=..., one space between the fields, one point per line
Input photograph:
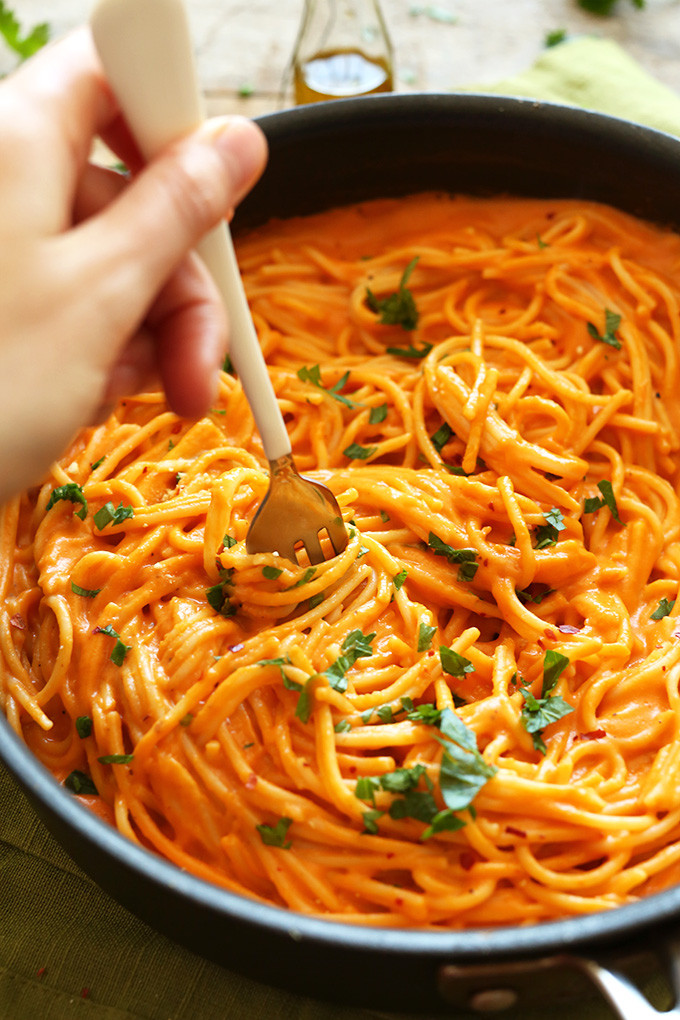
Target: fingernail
x=242 y=145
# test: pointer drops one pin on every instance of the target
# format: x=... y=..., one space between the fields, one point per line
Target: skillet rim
x=70 y=820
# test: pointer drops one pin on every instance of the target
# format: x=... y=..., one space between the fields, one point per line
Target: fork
x=146 y=51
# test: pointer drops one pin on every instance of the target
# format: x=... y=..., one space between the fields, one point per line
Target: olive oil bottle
x=343 y=49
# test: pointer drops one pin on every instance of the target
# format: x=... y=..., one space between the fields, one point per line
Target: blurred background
x=244 y=46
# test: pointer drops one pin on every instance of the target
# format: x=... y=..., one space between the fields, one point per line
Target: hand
x=99 y=288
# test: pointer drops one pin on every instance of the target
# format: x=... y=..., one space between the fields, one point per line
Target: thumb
x=130 y=248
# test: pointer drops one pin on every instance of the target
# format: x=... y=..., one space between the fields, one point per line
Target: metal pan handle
x=492 y=988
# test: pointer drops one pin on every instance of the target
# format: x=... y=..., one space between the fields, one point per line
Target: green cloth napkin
x=66 y=949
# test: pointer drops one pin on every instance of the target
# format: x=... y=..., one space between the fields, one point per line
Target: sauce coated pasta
x=471 y=716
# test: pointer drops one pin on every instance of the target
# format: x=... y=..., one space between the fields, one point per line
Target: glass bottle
x=343 y=49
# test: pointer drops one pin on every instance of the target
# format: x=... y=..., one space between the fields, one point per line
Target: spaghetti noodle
x=469 y=717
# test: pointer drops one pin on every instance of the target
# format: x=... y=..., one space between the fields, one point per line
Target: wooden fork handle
x=146 y=50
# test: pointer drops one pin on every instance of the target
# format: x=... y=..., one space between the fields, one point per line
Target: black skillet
x=325 y=155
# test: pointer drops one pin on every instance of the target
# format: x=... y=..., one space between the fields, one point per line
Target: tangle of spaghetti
x=471 y=716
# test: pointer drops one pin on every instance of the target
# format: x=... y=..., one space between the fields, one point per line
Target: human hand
x=99 y=288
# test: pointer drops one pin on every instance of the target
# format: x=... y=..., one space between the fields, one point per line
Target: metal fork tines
x=296 y=512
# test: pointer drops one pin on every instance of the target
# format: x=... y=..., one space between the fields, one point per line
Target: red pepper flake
x=430 y=653
x=84 y=993
x=18 y=621
x=390 y=855
x=399 y=902
x=251 y=781
x=468 y=858
x=551 y=635
x=516 y=832
x=593 y=735
x=40 y=973
x=176 y=428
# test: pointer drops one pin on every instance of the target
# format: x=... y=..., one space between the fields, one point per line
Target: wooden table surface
x=245 y=45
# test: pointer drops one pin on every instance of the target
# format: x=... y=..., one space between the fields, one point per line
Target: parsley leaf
x=120 y=649
x=612 y=321
x=377 y=414
x=271 y=573
x=425 y=635
x=83 y=726
x=10 y=29
x=453 y=663
x=399 y=309
x=371 y=821
x=218 y=596
x=426 y=714
x=81 y=783
x=72 y=493
x=116 y=759
x=355 y=646
x=399 y=578
x=108 y=514
x=275 y=835
x=537 y=713
x=608 y=499
x=88 y=593
x=554 y=664
x=313 y=375
x=546 y=535
x=443 y=821
x=356 y=452
x=663 y=609
x=463 y=770
x=466 y=557
x=440 y=438
x=416 y=353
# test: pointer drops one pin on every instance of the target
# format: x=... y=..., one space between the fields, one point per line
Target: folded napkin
x=599 y=75
x=66 y=949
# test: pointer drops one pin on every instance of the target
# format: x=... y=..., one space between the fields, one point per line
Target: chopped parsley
x=608 y=499
x=466 y=557
x=88 y=593
x=80 y=783
x=71 y=492
x=612 y=321
x=313 y=375
x=218 y=596
x=120 y=649
x=83 y=726
x=664 y=607
x=271 y=573
x=415 y=353
x=377 y=414
x=554 y=664
x=399 y=579
x=425 y=635
x=463 y=770
x=453 y=663
x=228 y=542
x=427 y=714
x=440 y=438
x=546 y=535
x=355 y=646
x=275 y=835
x=110 y=514
x=356 y=452
x=398 y=309
x=116 y=759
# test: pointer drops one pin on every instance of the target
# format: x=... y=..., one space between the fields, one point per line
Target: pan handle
x=482 y=989
x=626 y=1000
